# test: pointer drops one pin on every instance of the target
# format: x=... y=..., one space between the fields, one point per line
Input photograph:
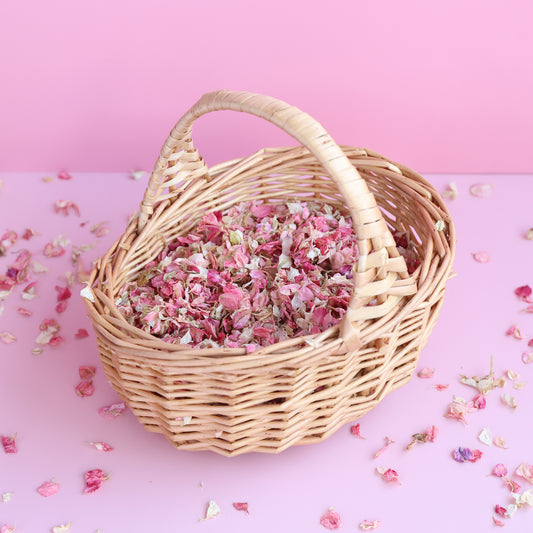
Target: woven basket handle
x=380 y=276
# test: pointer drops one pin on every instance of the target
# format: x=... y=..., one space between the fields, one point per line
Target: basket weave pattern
x=301 y=390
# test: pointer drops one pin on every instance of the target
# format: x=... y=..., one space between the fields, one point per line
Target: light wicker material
x=301 y=390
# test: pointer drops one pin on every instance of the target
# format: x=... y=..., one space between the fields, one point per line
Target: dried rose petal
x=100 y=229
x=426 y=373
x=101 y=446
x=367 y=525
x=6 y=496
x=513 y=486
x=110 y=412
x=512 y=375
x=524 y=292
x=481 y=190
x=331 y=520
x=24 y=312
x=527 y=358
x=497 y=521
x=485 y=437
x=429 y=436
x=481 y=257
x=9 y=444
x=63 y=206
x=500 y=442
x=458 y=408
x=499 y=470
x=356 y=430
x=502 y=511
x=94 y=480
x=441 y=387
x=48 y=488
x=241 y=506
x=82 y=334
x=509 y=400
x=61 y=307
x=7 y=529
x=462 y=455
x=388 y=474
x=85 y=389
x=64 y=175
x=7 y=338
x=526 y=471
x=212 y=511
x=450 y=193
x=87 y=372
x=514 y=332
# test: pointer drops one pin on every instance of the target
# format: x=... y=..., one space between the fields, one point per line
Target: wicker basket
x=301 y=390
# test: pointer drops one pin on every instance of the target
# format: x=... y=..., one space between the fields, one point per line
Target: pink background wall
x=439 y=86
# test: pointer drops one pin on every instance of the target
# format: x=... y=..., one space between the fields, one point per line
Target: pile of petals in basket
x=249 y=276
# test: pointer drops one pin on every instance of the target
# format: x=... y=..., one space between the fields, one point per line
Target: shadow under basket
x=301 y=390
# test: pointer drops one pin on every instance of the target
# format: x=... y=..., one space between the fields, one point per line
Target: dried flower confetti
x=498 y=522
x=441 y=387
x=87 y=372
x=110 y=412
x=81 y=334
x=64 y=207
x=519 y=385
x=429 y=436
x=356 y=431
x=458 y=408
x=253 y=275
x=524 y=293
x=462 y=455
x=367 y=525
x=481 y=257
x=24 y=312
x=509 y=400
x=485 y=437
x=64 y=175
x=137 y=174
x=48 y=488
x=85 y=389
x=7 y=529
x=94 y=480
x=485 y=383
x=481 y=190
x=499 y=470
x=7 y=338
x=514 y=332
x=388 y=474
x=450 y=193
x=100 y=229
x=6 y=496
x=527 y=358
x=426 y=373
x=523 y=498
x=64 y=528
x=500 y=442
x=241 y=506
x=512 y=375
x=388 y=442
x=212 y=510
x=331 y=520
x=49 y=331
x=9 y=443
x=526 y=471
x=101 y=446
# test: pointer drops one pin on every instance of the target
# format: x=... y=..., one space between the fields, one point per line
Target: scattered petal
x=529 y=234
x=451 y=191
x=519 y=385
x=64 y=175
x=87 y=293
x=24 y=312
x=367 y=525
x=7 y=529
x=356 y=430
x=9 y=443
x=426 y=373
x=7 y=338
x=212 y=510
x=87 y=372
x=497 y=521
x=458 y=408
x=241 y=506
x=481 y=190
x=48 y=488
x=440 y=225
x=82 y=334
x=85 y=389
x=527 y=358
x=440 y=387
x=110 y=412
x=514 y=332
x=524 y=293
x=500 y=442
x=526 y=471
x=429 y=436
x=63 y=206
x=137 y=174
x=509 y=400
x=481 y=257
x=94 y=480
x=524 y=498
x=331 y=520
x=499 y=470
x=388 y=442
x=485 y=437
x=512 y=375
x=99 y=230
x=388 y=474
x=484 y=384
x=6 y=496
x=101 y=446
x=462 y=455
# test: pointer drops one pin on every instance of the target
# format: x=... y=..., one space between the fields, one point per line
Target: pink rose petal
x=527 y=358
x=9 y=443
x=48 y=488
x=481 y=257
x=441 y=387
x=367 y=525
x=101 y=446
x=64 y=175
x=7 y=529
x=241 y=506
x=94 y=480
x=524 y=292
x=7 y=338
x=499 y=470
x=331 y=520
x=87 y=372
x=525 y=470
x=498 y=522
x=110 y=412
x=82 y=334
x=426 y=373
x=356 y=431
x=24 y=312
x=85 y=389
x=388 y=474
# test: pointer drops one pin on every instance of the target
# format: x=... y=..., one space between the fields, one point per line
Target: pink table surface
x=154 y=487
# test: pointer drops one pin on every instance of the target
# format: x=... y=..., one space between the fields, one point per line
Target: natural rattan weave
x=301 y=390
